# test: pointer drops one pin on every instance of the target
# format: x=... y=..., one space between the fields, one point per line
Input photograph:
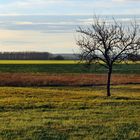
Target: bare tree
x=107 y=43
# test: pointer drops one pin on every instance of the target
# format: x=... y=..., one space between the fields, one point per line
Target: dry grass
x=27 y=79
x=70 y=113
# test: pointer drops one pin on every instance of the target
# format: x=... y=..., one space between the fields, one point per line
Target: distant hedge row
x=29 y=56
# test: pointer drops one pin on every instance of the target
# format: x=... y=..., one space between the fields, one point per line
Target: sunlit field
x=49 y=62
x=69 y=113
x=39 y=61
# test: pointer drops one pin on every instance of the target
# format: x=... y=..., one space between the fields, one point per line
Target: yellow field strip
x=48 y=62
x=38 y=62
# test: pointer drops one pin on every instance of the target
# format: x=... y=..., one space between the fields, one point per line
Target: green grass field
x=70 y=113
x=64 y=66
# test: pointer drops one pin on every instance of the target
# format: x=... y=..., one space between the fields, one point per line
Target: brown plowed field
x=26 y=79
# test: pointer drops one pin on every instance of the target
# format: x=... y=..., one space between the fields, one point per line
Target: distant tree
x=108 y=43
x=133 y=57
x=25 y=55
x=59 y=57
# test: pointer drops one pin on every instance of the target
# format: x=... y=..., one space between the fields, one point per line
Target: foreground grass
x=69 y=113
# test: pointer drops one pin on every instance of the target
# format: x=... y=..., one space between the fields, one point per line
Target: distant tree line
x=29 y=56
x=47 y=56
x=133 y=57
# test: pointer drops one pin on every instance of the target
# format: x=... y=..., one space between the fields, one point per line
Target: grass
x=68 y=68
x=62 y=113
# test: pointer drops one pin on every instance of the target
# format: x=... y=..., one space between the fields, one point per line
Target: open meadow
x=62 y=113
x=63 y=100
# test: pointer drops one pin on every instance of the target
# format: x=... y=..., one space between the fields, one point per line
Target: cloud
x=36 y=3
x=24 y=23
x=30 y=3
x=126 y=0
x=17 y=7
x=36 y=41
x=67 y=7
x=13 y=42
x=20 y=7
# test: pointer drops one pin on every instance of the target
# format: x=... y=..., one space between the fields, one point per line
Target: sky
x=49 y=25
x=69 y=7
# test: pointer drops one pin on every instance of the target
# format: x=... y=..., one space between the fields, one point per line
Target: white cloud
x=45 y=23
x=36 y=3
x=127 y=0
x=35 y=7
x=30 y=3
x=65 y=7
x=24 y=23
x=36 y=41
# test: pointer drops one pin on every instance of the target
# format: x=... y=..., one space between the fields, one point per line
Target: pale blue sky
x=49 y=25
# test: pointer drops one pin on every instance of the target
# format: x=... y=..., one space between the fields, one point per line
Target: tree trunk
x=108 y=81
